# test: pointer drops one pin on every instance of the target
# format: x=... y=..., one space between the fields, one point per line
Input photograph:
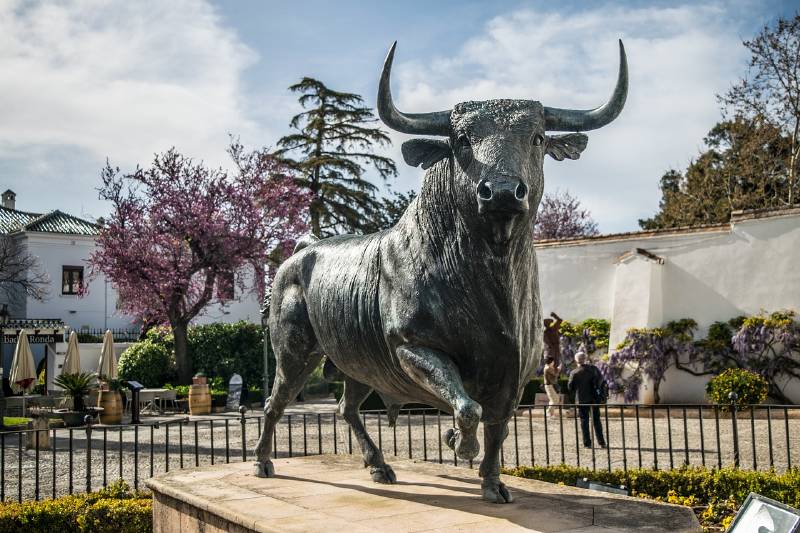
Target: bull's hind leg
x=437 y=373
x=354 y=395
x=296 y=356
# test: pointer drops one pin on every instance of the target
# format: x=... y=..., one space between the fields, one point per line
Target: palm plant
x=77 y=386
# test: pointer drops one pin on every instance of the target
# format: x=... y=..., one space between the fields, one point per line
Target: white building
x=648 y=278
x=62 y=244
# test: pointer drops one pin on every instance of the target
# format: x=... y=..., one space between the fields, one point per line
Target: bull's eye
x=538 y=139
x=464 y=148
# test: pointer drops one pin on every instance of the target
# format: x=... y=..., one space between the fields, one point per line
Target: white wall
x=246 y=306
x=90 y=357
x=97 y=309
x=711 y=274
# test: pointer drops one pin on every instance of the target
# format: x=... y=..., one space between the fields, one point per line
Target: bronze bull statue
x=443 y=308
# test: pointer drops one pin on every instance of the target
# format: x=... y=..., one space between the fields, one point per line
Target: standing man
x=551 y=373
x=552 y=346
x=585 y=381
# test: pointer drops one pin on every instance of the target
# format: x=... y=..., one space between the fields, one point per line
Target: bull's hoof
x=494 y=491
x=466 y=447
x=265 y=469
x=383 y=474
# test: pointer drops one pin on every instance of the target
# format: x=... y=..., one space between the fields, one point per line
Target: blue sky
x=88 y=79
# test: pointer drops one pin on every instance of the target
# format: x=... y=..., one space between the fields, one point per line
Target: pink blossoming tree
x=181 y=236
x=561 y=216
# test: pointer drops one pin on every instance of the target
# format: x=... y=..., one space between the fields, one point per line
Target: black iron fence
x=95 y=335
x=37 y=464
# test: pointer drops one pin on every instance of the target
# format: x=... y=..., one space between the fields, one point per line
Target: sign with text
x=235 y=386
x=34 y=338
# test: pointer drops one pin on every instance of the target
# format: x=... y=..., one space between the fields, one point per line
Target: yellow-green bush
x=116 y=509
x=750 y=388
x=714 y=494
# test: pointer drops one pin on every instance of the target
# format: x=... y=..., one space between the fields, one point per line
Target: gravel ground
x=180 y=441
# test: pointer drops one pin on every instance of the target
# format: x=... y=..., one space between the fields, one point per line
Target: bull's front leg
x=436 y=372
x=492 y=488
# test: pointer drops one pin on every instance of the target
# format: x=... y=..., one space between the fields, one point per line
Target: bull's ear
x=425 y=152
x=567 y=146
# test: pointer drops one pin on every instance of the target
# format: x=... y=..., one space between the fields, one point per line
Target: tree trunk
x=315 y=216
x=180 y=330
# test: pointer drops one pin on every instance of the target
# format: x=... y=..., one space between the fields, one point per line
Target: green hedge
x=116 y=509
x=219 y=350
x=715 y=495
x=149 y=362
x=750 y=387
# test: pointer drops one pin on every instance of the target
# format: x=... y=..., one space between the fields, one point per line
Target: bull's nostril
x=521 y=191
x=484 y=190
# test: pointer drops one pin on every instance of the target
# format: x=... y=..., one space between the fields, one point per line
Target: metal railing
x=637 y=436
x=95 y=335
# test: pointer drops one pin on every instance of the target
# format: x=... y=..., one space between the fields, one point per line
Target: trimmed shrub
x=150 y=363
x=750 y=388
x=115 y=509
x=222 y=350
x=714 y=495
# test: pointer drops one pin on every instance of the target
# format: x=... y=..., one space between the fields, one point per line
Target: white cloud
x=679 y=58
x=117 y=79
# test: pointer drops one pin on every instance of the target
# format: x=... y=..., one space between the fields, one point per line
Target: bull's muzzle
x=502 y=195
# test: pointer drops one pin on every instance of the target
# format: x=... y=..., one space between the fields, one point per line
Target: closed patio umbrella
x=72 y=361
x=108 y=361
x=23 y=371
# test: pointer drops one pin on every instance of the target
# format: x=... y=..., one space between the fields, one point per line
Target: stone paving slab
x=335 y=493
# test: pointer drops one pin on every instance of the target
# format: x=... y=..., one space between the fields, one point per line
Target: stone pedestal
x=334 y=493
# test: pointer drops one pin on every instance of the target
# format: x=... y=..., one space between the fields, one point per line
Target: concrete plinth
x=334 y=493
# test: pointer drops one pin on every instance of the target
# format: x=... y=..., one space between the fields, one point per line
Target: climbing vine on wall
x=590 y=336
x=767 y=343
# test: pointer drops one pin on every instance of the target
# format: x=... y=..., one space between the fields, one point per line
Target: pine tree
x=331 y=151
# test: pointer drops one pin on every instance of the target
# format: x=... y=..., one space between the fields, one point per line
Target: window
x=71 y=279
x=225 y=286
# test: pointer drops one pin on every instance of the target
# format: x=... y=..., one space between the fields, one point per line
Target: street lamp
x=3 y=322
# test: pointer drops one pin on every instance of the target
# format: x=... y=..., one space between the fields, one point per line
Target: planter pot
x=112 y=407
x=219 y=400
x=71 y=418
x=199 y=380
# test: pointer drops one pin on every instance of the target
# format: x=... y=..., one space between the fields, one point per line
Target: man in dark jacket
x=585 y=381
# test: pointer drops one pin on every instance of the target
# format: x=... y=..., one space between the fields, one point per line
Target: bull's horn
x=436 y=123
x=591 y=119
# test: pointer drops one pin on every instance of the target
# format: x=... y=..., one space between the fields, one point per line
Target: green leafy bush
x=222 y=350
x=150 y=363
x=714 y=495
x=115 y=509
x=750 y=388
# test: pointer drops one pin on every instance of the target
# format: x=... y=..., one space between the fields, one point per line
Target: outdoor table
x=151 y=396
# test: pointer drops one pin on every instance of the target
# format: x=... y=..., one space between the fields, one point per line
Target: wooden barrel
x=199 y=400
x=112 y=407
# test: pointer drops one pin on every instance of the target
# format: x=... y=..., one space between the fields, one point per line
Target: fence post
x=243 y=421
x=88 y=420
x=733 y=397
